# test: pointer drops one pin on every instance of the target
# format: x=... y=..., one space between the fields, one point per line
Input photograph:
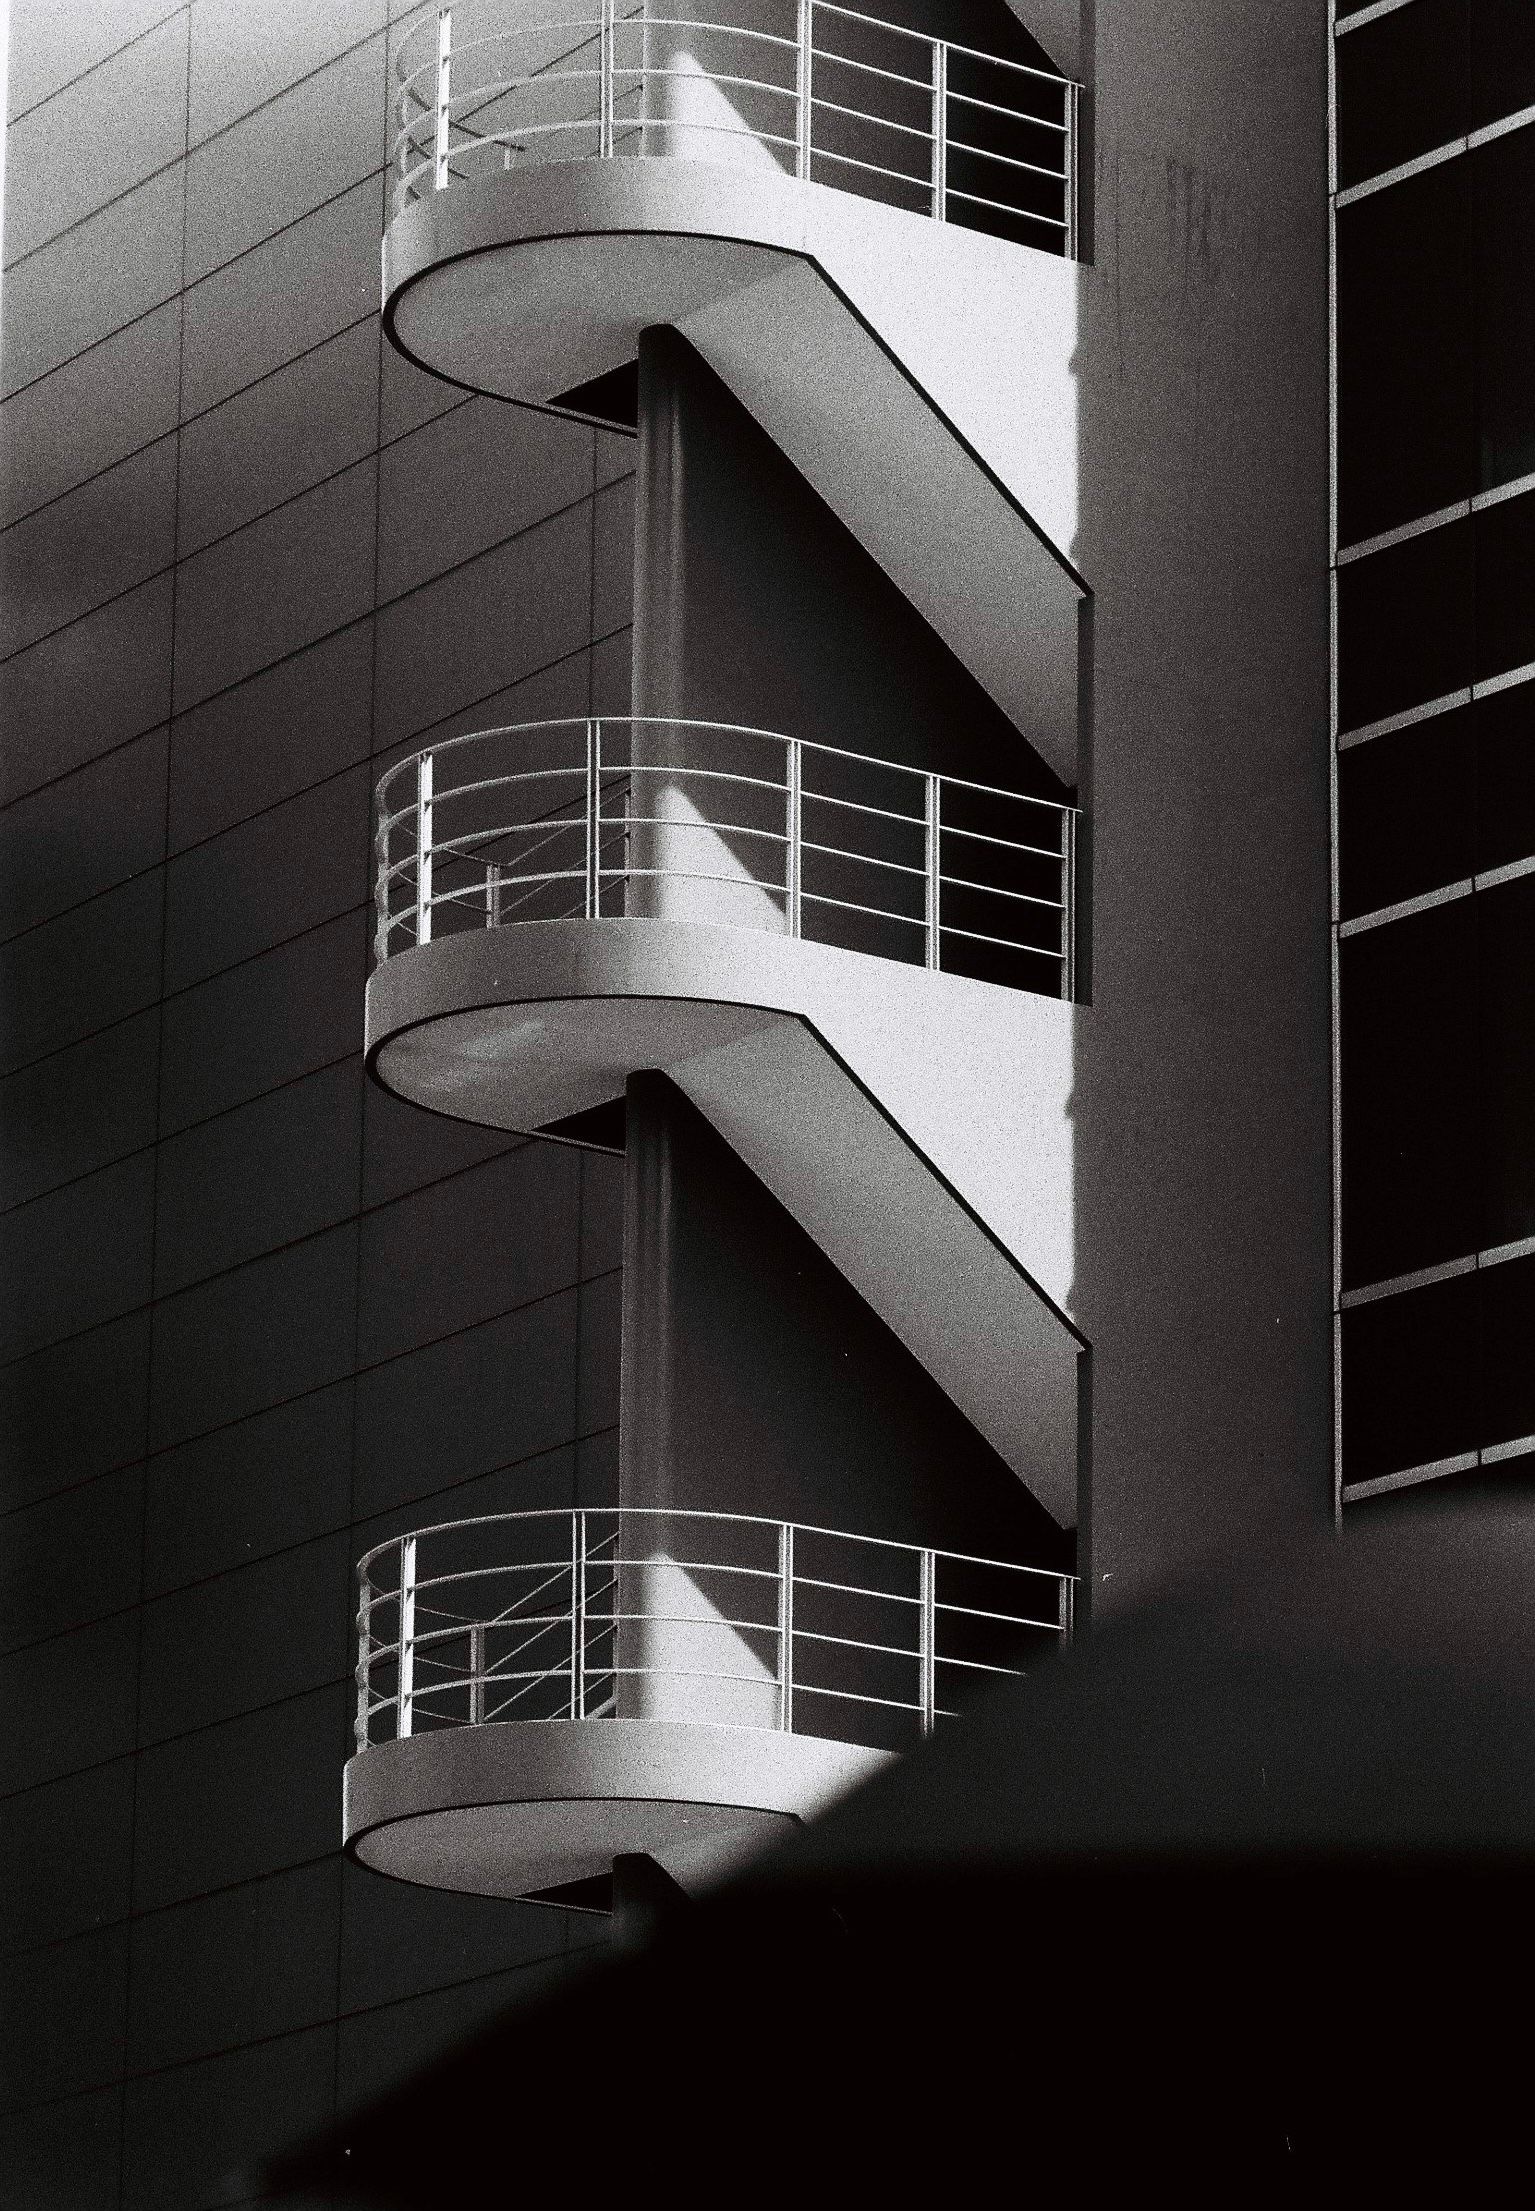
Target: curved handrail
x=664 y=818
x=728 y=1618
x=841 y=98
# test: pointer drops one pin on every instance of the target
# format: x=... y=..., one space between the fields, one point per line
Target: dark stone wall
x=254 y=1315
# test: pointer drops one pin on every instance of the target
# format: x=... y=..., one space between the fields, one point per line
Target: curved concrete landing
x=513 y=1807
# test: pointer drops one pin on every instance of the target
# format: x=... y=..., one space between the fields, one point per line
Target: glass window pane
x=1507 y=1302
x=1506 y=991
x=1408 y=1091
x=1404 y=357
x=1409 y=1379
x=1404 y=625
x=1502 y=195
x=1407 y=812
x=1505 y=777
x=1502 y=60
x=1401 y=87
x=1505 y=586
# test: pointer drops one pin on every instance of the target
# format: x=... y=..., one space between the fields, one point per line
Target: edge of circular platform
x=513 y=1807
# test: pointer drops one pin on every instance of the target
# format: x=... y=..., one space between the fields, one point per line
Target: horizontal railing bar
x=881 y=122
x=1005 y=207
x=853 y=1643
x=1008 y=161
x=1008 y=944
x=872 y=69
x=1004 y=1619
x=853 y=1696
x=851 y=906
x=973 y=53
x=728 y=30
x=918 y=183
x=651 y=71
x=995 y=890
x=863 y=859
x=1009 y=844
x=1013 y=115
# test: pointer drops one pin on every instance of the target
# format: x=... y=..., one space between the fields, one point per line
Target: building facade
x=960 y=1185
x=1433 y=522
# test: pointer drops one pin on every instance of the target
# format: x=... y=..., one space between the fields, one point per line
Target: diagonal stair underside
x=925 y=1263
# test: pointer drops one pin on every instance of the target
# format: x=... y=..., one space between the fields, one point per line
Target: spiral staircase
x=859 y=965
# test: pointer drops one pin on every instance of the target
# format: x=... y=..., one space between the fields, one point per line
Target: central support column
x=701 y=848
x=680 y=1653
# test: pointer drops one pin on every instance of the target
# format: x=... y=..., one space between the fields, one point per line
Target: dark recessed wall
x=254 y=1315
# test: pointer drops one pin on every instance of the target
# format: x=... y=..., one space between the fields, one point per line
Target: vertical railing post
x=793 y=846
x=786 y=1628
x=405 y=1710
x=364 y=1659
x=477 y=1673
x=580 y=1596
x=804 y=63
x=927 y=1640
x=940 y=130
x=1073 y=184
x=1068 y=902
x=575 y=1606
x=382 y=889
x=493 y=894
x=424 y=849
x=593 y=820
x=932 y=845
x=444 y=91
x=1067 y=1606
x=605 y=81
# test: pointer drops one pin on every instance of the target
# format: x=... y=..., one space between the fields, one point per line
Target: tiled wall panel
x=111 y=268
x=256 y=1486
x=79 y=1109
x=232 y=73
x=296 y=289
x=105 y=132
x=86 y=689
x=66 y=1856
x=83 y=833
x=96 y=409
x=277 y=733
x=278 y=436
x=52 y=46
x=93 y=544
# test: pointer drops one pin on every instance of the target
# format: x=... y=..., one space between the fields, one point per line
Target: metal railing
x=818 y=91
x=645 y=817
x=723 y=1617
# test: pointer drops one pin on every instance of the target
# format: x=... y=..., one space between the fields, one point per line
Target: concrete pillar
x=700 y=850
x=677 y=1654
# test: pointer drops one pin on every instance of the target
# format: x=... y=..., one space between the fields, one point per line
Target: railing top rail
x=680 y=721
x=591 y=25
x=571 y=1513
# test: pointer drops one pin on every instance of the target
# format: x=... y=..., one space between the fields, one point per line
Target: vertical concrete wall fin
x=1201 y=1109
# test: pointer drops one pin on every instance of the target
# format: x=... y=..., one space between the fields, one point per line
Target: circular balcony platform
x=566 y=178
x=541 y=1692
x=513 y=1808
x=561 y=903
